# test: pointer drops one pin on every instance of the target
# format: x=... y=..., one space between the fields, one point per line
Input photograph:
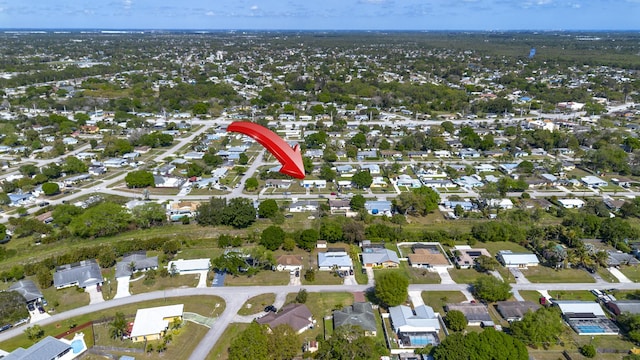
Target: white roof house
x=593 y=181
x=182 y=266
x=151 y=323
x=580 y=307
x=505 y=203
x=404 y=319
x=522 y=260
x=334 y=259
x=571 y=203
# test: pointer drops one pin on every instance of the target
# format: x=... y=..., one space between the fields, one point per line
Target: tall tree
x=392 y=288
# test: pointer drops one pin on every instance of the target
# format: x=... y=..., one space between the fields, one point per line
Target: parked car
x=31 y=307
x=270 y=308
x=297 y=273
x=41 y=309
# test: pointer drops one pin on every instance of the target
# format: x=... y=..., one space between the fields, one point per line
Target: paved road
x=235 y=296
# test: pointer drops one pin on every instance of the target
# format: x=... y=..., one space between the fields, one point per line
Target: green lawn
x=583 y=295
x=256 y=304
x=159 y=283
x=264 y=277
x=321 y=305
x=530 y=295
x=632 y=272
x=221 y=350
x=209 y=306
x=415 y=275
x=607 y=275
x=65 y=299
x=438 y=299
x=465 y=276
x=323 y=278
x=543 y=274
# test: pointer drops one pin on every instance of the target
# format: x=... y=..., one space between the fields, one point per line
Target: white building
x=519 y=260
x=152 y=323
x=571 y=203
x=187 y=266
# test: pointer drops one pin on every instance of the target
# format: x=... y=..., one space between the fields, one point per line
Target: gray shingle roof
x=84 y=273
x=46 y=349
x=27 y=289
x=140 y=260
x=359 y=314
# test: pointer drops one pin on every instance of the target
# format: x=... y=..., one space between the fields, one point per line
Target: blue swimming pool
x=419 y=340
x=77 y=346
x=590 y=329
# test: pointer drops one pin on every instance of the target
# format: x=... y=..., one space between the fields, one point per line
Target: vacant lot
x=438 y=299
x=257 y=303
x=262 y=278
x=159 y=283
x=543 y=274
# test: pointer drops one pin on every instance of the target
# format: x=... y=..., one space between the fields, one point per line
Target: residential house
x=48 y=348
x=304 y=206
x=152 y=323
x=617 y=258
x=415 y=328
x=571 y=203
x=515 y=310
x=505 y=204
x=468 y=153
x=484 y=168
x=28 y=290
x=379 y=207
x=465 y=256
x=342 y=170
x=359 y=314
x=618 y=307
x=469 y=182
x=134 y=262
x=289 y=263
x=593 y=181
x=428 y=255
x=82 y=274
x=339 y=206
x=167 y=181
x=279 y=183
x=508 y=168
x=519 y=260
x=334 y=259
x=115 y=162
x=442 y=153
x=586 y=317
x=193 y=155
x=408 y=181
x=372 y=168
x=165 y=170
x=318 y=184
x=182 y=266
x=477 y=314
x=375 y=257
x=297 y=316
x=366 y=154
x=466 y=205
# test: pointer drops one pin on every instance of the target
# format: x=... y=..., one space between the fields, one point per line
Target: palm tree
x=601 y=258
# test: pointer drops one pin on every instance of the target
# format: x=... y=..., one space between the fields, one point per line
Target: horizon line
x=307 y=30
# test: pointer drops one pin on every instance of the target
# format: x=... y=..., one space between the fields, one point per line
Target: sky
x=323 y=14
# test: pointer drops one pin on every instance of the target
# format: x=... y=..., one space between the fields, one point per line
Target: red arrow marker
x=290 y=158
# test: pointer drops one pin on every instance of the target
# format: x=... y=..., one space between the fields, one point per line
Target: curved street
x=236 y=296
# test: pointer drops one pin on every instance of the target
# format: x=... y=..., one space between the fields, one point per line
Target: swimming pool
x=590 y=329
x=77 y=346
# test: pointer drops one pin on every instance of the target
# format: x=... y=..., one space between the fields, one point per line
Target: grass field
x=65 y=299
x=543 y=274
x=607 y=275
x=323 y=278
x=209 y=306
x=632 y=272
x=583 y=295
x=321 y=305
x=465 y=276
x=262 y=278
x=160 y=283
x=438 y=299
x=530 y=295
x=256 y=304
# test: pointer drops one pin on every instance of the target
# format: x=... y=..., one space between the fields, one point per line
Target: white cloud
x=254 y=8
x=210 y=13
x=127 y=3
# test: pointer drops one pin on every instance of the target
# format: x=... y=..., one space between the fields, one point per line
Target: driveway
x=445 y=277
x=202 y=279
x=416 y=298
x=370 y=276
x=350 y=280
x=218 y=279
x=619 y=275
x=294 y=280
x=520 y=278
x=36 y=316
x=95 y=297
x=123 y=287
